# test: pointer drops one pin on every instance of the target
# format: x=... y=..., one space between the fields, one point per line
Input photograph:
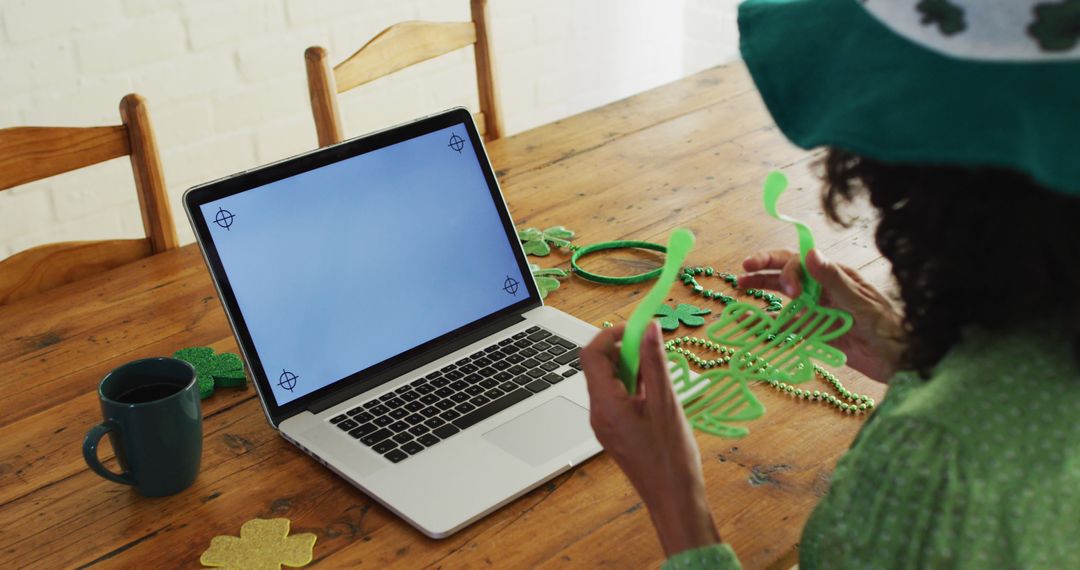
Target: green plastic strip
x=679 y=245
x=784 y=346
x=775 y=184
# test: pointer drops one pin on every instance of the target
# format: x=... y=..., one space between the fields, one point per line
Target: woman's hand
x=874 y=343
x=648 y=436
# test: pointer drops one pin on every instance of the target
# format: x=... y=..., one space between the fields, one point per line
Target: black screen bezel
x=199 y=195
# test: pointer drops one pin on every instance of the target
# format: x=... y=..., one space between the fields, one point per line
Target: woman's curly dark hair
x=968 y=246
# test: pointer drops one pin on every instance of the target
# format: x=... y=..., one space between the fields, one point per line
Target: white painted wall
x=226 y=86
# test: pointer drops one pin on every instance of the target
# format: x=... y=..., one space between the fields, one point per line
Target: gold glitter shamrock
x=263 y=545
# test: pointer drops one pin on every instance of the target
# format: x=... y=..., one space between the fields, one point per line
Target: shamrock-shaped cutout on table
x=1057 y=25
x=688 y=315
x=225 y=370
x=262 y=545
x=547 y=280
x=537 y=242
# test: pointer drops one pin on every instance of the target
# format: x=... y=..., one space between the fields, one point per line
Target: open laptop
x=385 y=308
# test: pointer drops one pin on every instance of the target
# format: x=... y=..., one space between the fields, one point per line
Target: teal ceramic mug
x=154 y=421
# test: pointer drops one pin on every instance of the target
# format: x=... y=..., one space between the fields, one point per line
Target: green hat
x=952 y=82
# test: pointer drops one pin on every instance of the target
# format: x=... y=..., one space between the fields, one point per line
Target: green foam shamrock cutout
x=688 y=315
x=224 y=370
x=547 y=280
x=537 y=242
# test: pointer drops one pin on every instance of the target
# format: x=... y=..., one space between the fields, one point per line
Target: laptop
x=391 y=325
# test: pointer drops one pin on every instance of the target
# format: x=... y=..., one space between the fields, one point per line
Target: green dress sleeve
x=899 y=499
x=712 y=557
x=911 y=495
x=979 y=467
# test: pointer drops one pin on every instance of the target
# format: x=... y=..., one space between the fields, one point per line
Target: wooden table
x=692 y=153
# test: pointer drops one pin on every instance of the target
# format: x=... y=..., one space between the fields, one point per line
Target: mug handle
x=89 y=448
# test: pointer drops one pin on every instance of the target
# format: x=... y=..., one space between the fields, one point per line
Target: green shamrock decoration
x=783 y=347
x=537 y=242
x=224 y=370
x=719 y=398
x=547 y=280
x=948 y=16
x=1057 y=25
x=793 y=340
x=688 y=315
x=742 y=326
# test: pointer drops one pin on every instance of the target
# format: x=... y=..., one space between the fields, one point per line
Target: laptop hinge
x=460 y=341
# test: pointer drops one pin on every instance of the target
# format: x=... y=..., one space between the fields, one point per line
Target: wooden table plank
x=692 y=153
x=579 y=134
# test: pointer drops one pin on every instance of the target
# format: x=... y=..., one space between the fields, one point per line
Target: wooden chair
x=33 y=153
x=398 y=47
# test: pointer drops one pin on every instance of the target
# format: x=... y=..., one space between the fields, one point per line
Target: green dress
x=979 y=467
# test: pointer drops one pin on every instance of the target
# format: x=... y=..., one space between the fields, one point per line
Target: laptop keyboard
x=424 y=412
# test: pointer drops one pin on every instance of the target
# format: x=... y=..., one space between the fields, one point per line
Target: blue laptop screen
x=340 y=268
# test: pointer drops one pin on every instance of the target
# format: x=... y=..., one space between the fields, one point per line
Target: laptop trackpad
x=541 y=434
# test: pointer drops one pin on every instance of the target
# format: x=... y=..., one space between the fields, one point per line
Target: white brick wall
x=226 y=86
x=710 y=32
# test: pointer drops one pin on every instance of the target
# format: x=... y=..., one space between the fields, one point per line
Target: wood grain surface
x=693 y=153
x=33 y=153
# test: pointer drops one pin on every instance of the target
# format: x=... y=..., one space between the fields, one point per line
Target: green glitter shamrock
x=547 y=280
x=537 y=242
x=1057 y=25
x=948 y=16
x=689 y=315
x=224 y=370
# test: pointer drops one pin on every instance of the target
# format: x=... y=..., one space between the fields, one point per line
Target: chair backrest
x=398 y=47
x=33 y=153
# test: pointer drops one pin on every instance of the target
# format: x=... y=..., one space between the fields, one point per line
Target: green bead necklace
x=847 y=402
x=689 y=278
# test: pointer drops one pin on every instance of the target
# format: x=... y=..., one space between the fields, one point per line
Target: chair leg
x=149 y=176
x=323 y=93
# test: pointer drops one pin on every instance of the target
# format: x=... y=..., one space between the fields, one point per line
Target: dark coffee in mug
x=148 y=393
